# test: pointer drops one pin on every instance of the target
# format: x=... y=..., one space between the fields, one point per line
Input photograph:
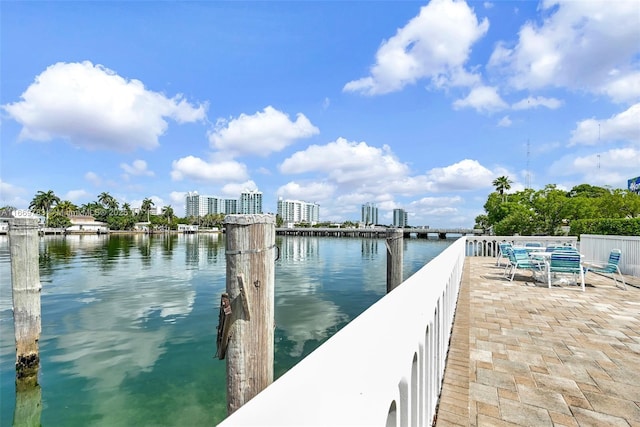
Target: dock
x=522 y=354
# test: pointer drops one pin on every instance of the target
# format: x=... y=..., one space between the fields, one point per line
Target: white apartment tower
x=294 y=211
x=201 y=205
x=251 y=202
x=196 y=204
x=369 y=214
x=400 y=218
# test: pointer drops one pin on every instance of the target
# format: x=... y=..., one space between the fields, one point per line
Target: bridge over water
x=377 y=232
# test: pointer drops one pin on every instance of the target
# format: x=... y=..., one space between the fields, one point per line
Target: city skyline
x=409 y=105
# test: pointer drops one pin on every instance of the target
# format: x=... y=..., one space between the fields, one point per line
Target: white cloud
x=434 y=45
x=346 y=162
x=12 y=195
x=613 y=167
x=260 y=134
x=312 y=192
x=538 y=101
x=138 y=167
x=77 y=195
x=196 y=169
x=621 y=127
x=94 y=108
x=464 y=175
x=586 y=45
x=233 y=189
x=482 y=99
x=177 y=202
x=504 y=122
x=623 y=89
x=93 y=178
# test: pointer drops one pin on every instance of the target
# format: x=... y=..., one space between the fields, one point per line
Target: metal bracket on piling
x=224 y=323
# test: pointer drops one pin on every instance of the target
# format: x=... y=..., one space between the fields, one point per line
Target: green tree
x=66 y=208
x=42 y=202
x=6 y=211
x=145 y=209
x=550 y=206
x=586 y=190
x=57 y=219
x=108 y=201
x=168 y=214
x=482 y=222
x=502 y=184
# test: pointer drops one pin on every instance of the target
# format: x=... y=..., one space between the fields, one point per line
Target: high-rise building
x=201 y=205
x=369 y=214
x=196 y=204
x=294 y=211
x=251 y=202
x=400 y=218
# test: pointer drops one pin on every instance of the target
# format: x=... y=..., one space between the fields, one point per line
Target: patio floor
x=522 y=354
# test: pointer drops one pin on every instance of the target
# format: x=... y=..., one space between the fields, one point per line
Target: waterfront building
x=251 y=202
x=369 y=214
x=196 y=204
x=201 y=205
x=400 y=218
x=295 y=211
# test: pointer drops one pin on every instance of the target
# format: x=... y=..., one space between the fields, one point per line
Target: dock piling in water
x=26 y=289
x=250 y=286
x=394 y=258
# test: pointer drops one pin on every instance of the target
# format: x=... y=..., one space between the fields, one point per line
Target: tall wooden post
x=26 y=287
x=394 y=258
x=248 y=334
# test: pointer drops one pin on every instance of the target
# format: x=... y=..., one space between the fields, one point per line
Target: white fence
x=488 y=245
x=597 y=248
x=384 y=368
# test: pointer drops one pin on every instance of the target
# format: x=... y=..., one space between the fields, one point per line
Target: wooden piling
x=24 y=245
x=394 y=258
x=250 y=286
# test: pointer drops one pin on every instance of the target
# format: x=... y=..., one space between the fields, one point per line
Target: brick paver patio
x=525 y=355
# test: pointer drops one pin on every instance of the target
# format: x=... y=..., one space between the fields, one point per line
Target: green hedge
x=606 y=226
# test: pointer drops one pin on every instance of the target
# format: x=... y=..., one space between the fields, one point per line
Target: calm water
x=129 y=322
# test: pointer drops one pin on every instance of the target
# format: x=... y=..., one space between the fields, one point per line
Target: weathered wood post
x=394 y=258
x=245 y=332
x=25 y=284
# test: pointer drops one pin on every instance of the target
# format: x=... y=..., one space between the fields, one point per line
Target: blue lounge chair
x=565 y=262
x=503 y=253
x=521 y=260
x=609 y=269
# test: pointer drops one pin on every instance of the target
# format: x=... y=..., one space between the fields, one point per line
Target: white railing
x=597 y=248
x=488 y=245
x=384 y=368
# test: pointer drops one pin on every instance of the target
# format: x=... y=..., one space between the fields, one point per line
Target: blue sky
x=413 y=105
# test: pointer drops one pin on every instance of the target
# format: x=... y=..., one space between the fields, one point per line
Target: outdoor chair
x=565 y=262
x=503 y=249
x=609 y=269
x=522 y=261
x=511 y=261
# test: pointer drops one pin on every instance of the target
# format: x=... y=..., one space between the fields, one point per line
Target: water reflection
x=128 y=321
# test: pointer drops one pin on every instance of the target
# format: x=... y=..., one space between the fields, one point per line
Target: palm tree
x=43 y=201
x=168 y=213
x=502 y=184
x=146 y=206
x=108 y=201
x=65 y=207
